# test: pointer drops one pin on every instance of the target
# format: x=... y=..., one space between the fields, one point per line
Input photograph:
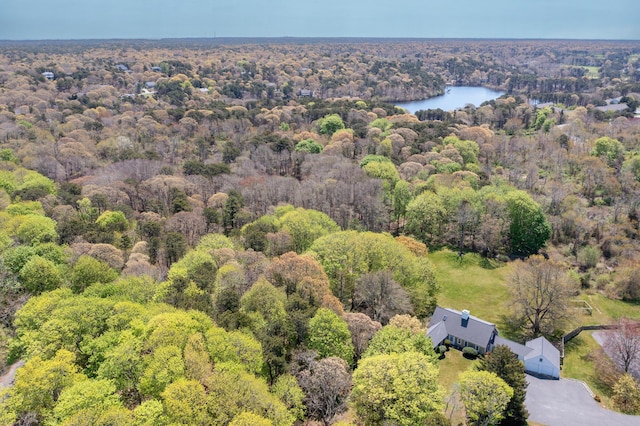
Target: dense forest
x=236 y=232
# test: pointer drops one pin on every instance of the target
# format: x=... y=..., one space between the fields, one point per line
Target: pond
x=455 y=97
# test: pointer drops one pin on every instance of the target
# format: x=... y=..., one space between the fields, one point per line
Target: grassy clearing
x=592 y=72
x=471 y=283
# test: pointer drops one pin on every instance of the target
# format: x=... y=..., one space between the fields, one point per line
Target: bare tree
x=380 y=297
x=326 y=384
x=541 y=290
x=362 y=329
x=623 y=344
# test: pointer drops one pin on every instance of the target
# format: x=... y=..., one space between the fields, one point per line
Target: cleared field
x=470 y=282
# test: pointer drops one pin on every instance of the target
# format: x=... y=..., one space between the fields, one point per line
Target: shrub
x=447 y=342
x=469 y=352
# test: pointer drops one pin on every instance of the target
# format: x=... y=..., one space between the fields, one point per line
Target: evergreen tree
x=506 y=365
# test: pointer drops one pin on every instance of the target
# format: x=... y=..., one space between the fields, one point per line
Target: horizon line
x=159 y=39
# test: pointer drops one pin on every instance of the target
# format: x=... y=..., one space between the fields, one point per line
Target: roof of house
x=613 y=107
x=474 y=330
x=543 y=347
x=521 y=350
x=437 y=332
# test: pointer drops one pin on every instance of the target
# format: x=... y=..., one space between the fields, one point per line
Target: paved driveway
x=568 y=403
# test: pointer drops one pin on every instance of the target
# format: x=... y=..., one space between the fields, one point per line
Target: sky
x=122 y=19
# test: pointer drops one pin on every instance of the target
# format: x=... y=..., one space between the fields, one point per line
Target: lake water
x=455 y=97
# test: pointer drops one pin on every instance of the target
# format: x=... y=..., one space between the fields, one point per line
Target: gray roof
x=477 y=331
x=437 y=332
x=542 y=347
x=516 y=348
x=613 y=107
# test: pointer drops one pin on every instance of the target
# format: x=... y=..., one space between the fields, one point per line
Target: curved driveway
x=568 y=403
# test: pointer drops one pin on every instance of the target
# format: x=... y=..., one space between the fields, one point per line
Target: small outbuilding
x=543 y=360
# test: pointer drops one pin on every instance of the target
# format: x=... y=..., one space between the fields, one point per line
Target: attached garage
x=543 y=360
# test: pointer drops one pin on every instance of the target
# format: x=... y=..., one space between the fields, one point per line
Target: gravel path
x=7 y=379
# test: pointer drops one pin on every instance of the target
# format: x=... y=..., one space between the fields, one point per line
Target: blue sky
x=83 y=19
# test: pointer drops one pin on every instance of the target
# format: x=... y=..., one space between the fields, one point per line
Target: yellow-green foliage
x=397 y=389
x=347 y=255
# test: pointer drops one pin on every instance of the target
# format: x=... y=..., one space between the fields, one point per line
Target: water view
x=455 y=97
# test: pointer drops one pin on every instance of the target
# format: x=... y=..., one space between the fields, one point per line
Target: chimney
x=464 y=318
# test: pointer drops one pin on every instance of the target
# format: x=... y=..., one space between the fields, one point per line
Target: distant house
x=539 y=356
x=122 y=67
x=48 y=75
x=614 y=105
x=156 y=69
x=150 y=84
x=306 y=93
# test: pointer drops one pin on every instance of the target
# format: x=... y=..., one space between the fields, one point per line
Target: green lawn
x=469 y=283
x=450 y=368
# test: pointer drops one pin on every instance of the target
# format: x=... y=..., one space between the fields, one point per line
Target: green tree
x=113 y=221
x=310 y=146
x=468 y=150
x=163 y=366
x=149 y=413
x=123 y=365
x=399 y=389
x=39 y=383
x=330 y=124
x=529 y=229
x=36 y=229
x=232 y=391
x=185 y=402
x=330 y=335
x=392 y=339
x=485 y=396
x=626 y=394
x=287 y=389
x=401 y=198
x=506 y=365
x=39 y=275
x=94 y=397
x=305 y=226
x=88 y=270
x=247 y=418
x=234 y=347
x=230 y=211
x=347 y=255
x=611 y=150
x=381 y=123
x=425 y=217
x=383 y=170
